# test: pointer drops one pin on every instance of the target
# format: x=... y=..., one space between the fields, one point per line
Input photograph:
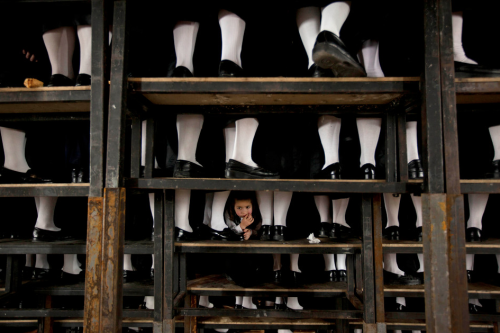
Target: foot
x=418 y=238
x=238 y=307
x=266 y=233
x=342 y=275
x=391 y=233
x=331 y=276
x=279 y=233
x=187 y=169
x=225 y=235
x=277 y=277
x=316 y=71
x=29 y=177
x=59 y=80
x=473 y=308
x=333 y=171
x=493 y=170
x=324 y=230
x=405 y=280
x=330 y=53
x=183 y=235
x=470 y=276
x=415 y=170
x=153 y=235
x=367 y=171
x=473 y=235
x=83 y=80
x=68 y=278
x=78 y=176
x=235 y=169
x=339 y=232
x=42 y=235
x=44 y=274
x=463 y=69
x=228 y=68
x=182 y=71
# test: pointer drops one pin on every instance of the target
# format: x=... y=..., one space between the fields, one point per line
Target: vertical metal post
x=168 y=255
x=402 y=148
x=150 y=161
x=378 y=252
x=158 y=261
x=13 y=279
x=367 y=258
x=136 y=148
x=390 y=147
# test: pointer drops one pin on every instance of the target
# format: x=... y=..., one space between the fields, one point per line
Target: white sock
x=220 y=198
x=308 y=21
x=334 y=15
x=45 y=219
x=339 y=208
x=182 y=202
x=293 y=303
x=323 y=205
x=391 y=264
x=412 y=141
x=60 y=44
x=279 y=300
x=469 y=262
x=369 y=57
x=401 y=300
x=369 y=132
x=281 y=204
x=276 y=261
x=127 y=263
x=477 y=206
x=329 y=262
x=265 y=199
x=14 y=144
x=421 y=262
x=151 y=197
x=71 y=264
x=188 y=132
x=239 y=300
x=248 y=304
x=205 y=302
x=229 y=138
x=150 y=302
x=417 y=203
x=143 y=144
x=85 y=38
x=329 y=132
x=42 y=262
x=245 y=133
x=498 y=262
x=457 y=20
x=341 y=262
x=294 y=263
x=495 y=137
x=232 y=29
x=185 y=33
x=153 y=261
x=207 y=216
x=392 y=209
x=475 y=301
x=30 y=260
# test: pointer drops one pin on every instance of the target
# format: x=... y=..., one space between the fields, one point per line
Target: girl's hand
x=246 y=221
x=247 y=234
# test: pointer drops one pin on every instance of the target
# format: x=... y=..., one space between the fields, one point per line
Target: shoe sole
x=328 y=56
x=416 y=175
x=244 y=175
x=279 y=238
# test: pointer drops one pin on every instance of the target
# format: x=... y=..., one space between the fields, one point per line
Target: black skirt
x=65 y=15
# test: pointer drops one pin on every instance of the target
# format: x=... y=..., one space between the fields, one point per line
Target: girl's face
x=243 y=207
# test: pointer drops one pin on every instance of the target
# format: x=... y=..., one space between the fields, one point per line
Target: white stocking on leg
x=14 y=144
x=341 y=258
x=85 y=38
x=457 y=20
x=45 y=218
x=239 y=300
x=308 y=21
x=205 y=302
x=220 y=199
x=477 y=206
x=265 y=199
x=60 y=44
x=185 y=33
x=294 y=263
x=71 y=264
x=248 y=304
x=127 y=263
x=182 y=202
x=42 y=262
x=188 y=132
x=281 y=204
x=293 y=303
x=391 y=264
x=334 y=15
x=421 y=262
x=412 y=141
x=232 y=29
x=323 y=205
x=369 y=132
x=417 y=203
x=329 y=262
x=329 y=132
x=392 y=209
x=495 y=138
x=276 y=261
x=369 y=57
x=469 y=262
x=229 y=138
x=245 y=133
x=30 y=260
x=339 y=208
x=207 y=216
x=401 y=300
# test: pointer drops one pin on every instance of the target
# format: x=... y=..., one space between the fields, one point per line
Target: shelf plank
x=477 y=90
x=487 y=246
x=136 y=288
x=480 y=186
x=47 y=190
x=478 y=290
x=264 y=323
x=297 y=314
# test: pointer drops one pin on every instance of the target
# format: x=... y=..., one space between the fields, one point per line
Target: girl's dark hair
x=243 y=195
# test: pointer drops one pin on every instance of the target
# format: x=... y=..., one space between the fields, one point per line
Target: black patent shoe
x=182 y=71
x=68 y=278
x=470 y=276
x=316 y=71
x=333 y=171
x=29 y=177
x=42 y=235
x=235 y=169
x=339 y=232
x=391 y=233
x=266 y=233
x=225 y=235
x=238 y=307
x=330 y=52
x=44 y=274
x=367 y=171
x=473 y=235
x=83 y=80
x=183 y=235
x=331 y=276
x=493 y=170
x=464 y=70
x=78 y=176
x=130 y=276
x=341 y=275
x=405 y=280
x=59 y=80
x=228 y=68
x=281 y=306
x=473 y=308
x=415 y=170
x=324 y=230
x=277 y=277
x=295 y=279
x=186 y=169
x=279 y=233
x=400 y=308
x=419 y=234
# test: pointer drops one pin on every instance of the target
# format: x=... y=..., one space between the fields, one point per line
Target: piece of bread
x=33 y=83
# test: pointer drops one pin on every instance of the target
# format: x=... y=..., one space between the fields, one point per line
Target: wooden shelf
x=57 y=288
x=45 y=190
x=478 y=290
x=264 y=323
x=477 y=90
x=480 y=185
x=490 y=245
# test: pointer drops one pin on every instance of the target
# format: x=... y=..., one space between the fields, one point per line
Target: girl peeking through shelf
x=242 y=214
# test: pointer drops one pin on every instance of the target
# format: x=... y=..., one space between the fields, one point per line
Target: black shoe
x=470 y=276
x=266 y=233
x=27 y=272
x=415 y=170
x=238 y=307
x=182 y=71
x=41 y=235
x=367 y=171
x=391 y=233
x=463 y=70
x=235 y=169
x=183 y=235
x=227 y=68
x=281 y=306
x=419 y=234
x=342 y=275
x=152 y=274
x=68 y=278
x=78 y=176
x=405 y=280
x=473 y=235
x=130 y=276
x=331 y=276
x=277 y=277
x=295 y=279
x=29 y=177
x=59 y=80
x=45 y=274
x=225 y=235
x=316 y=71
x=340 y=232
x=330 y=52
x=83 y=80
x=400 y=308
x=324 y=230
x=333 y=171
x=279 y=233
x=186 y=169
x=473 y=308
x=493 y=171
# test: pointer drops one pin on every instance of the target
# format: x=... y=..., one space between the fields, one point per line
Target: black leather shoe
x=72 y=278
x=415 y=170
x=225 y=235
x=331 y=276
x=419 y=234
x=405 y=280
x=130 y=276
x=238 y=307
x=182 y=71
x=281 y=306
x=324 y=230
x=470 y=276
x=183 y=235
x=228 y=68
x=367 y=171
x=186 y=169
x=330 y=52
x=83 y=80
x=279 y=233
x=341 y=275
x=391 y=233
x=295 y=279
x=266 y=233
x=339 y=232
x=41 y=235
x=29 y=177
x=316 y=71
x=277 y=277
x=44 y=274
x=235 y=169
x=333 y=171
x=463 y=70
x=400 y=308
x=59 y=80
x=473 y=235
x=473 y=308
x=152 y=274
x=78 y=176
x=493 y=170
